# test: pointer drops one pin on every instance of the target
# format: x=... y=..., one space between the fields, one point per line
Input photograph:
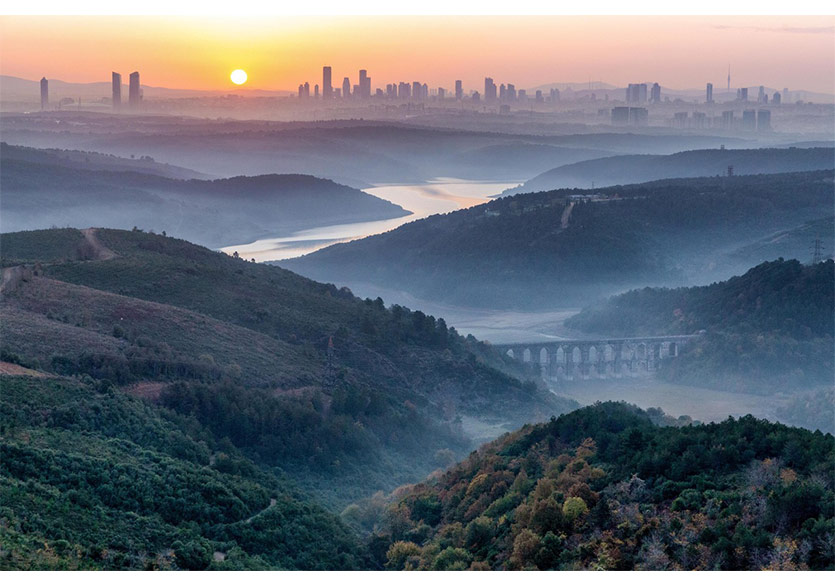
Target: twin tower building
x=134 y=92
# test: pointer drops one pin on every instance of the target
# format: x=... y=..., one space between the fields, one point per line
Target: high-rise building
x=761 y=95
x=510 y=93
x=555 y=95
x=620 y=115
x=327 y=86
x=502 y=93
x=475 y=97
x=316 y=91
x=441 y=94
x=764 y=121
x=365 y=84
x=636 y=93
x=749 y=120
x=680 y=120
x=44 y=94
x=117 y=90
x=655 y=94
x=699 y=120
x=134 y=96
x=777 y=98
x=346 y=88
x=742 y=94
x=417 y=90
x=404 y=90
x=459 y=90
x=424 y=92
x=489 y=90
x=638 y=116
x=539 y=98
x=728 y=120
x=709 y=94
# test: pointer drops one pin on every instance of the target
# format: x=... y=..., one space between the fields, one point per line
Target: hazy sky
x=281 y=52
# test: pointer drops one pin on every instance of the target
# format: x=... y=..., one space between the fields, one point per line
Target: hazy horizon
x=198 y=53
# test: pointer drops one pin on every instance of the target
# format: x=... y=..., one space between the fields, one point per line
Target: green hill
x=769 y=329
x=344 y=395
x=607 y=487
x=91 y=478
x=564 y=248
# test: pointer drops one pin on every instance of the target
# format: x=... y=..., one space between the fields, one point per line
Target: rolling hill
x=44 y=189
x=623 y=169
x=343 y=395
x=565 y=248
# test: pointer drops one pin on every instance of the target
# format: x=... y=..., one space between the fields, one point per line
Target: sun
x=238 y=77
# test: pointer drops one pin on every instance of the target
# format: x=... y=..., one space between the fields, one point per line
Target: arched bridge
x=603 y=358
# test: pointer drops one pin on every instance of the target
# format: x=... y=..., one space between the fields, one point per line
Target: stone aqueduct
x=585 y=359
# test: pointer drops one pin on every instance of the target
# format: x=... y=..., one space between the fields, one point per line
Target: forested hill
x=343 y=394
x=606 y=487
x=769 y=329
x=565 y=248
x=40 y=192
x=698 y=163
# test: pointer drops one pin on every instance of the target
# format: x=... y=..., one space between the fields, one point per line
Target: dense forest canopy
x=607 y=487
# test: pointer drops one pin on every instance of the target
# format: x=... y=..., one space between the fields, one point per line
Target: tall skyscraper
x=709 y=94
x=761 y=95
x=346 y=88
x=749 y=120
x=117 y=90
x=459 y=89
x=729 y=78
x=365 y=84
x=134 y=96
x=44 y=94
x=776 y=99
x=416 y=90
x=489 y=90
x=316 y=91
x=764 y=121
x=327 y=86
x=655 y=94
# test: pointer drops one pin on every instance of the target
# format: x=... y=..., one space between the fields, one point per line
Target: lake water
x=445 y=194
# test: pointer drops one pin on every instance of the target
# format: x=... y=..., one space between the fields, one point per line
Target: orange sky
x=281 y=52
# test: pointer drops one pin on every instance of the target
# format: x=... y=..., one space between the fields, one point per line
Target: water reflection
x=437 y=197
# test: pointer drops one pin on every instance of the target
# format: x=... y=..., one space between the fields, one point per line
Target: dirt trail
x=262 y=511
x=566 y=215
x=100 y=251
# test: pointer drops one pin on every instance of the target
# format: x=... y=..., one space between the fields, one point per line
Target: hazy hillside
x=702 y=163
x=770 y=329
x=608 y=488
x=344 y=395
x=41 y=192
x=92 y=161
x=544 y=250
x=352 y=152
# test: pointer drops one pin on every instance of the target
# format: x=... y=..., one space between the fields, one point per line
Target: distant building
x=749 y=120
x=709 y=94
x=638 y=116
x=475 y=97
x=742 y=94
x=365 y=84
x=539 y=97
x=327 y=85
x=316 y=91
x=459 y=89
x=764 y=121
x=655 y=94
x=728 y=120
x=44 y=94
x=441 y=94
x=620 y=115
x=134 y=92
x=555 y=95
x=761 y=97
x=680 y=120
x=117 y=90
x=776 y=99
x=346 y=88
x=699 y=120
x=636 y=93
x=504 y=109
x=489 y=90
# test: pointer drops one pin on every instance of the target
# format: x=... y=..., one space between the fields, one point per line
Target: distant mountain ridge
x=40 y=191
x=623 y=169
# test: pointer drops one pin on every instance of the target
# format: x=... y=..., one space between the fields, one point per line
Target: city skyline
x=198 y=53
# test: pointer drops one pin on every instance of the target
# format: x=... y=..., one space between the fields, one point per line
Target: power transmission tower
x=817 y=251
